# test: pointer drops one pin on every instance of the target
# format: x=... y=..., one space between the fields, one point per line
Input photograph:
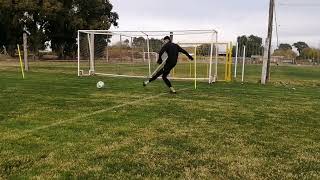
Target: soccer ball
x=100 y=84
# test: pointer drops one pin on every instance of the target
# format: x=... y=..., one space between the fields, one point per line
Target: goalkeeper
x=172 y=50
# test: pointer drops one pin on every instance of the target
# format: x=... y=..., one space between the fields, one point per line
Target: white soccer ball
x=100 y=85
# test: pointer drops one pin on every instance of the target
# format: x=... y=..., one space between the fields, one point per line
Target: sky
x=297 y=20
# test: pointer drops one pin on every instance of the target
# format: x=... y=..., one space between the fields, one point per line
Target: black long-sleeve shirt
x=172 y=50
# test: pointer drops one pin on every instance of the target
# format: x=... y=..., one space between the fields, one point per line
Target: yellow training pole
x=195 y=67
x=21 y=66
x=226 y=66
x=228 y=63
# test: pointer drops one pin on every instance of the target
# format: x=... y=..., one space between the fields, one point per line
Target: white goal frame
x=146 y=56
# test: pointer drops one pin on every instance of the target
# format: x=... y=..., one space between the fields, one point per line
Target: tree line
x=254 y=46
x=52 y=23
x=304 y=51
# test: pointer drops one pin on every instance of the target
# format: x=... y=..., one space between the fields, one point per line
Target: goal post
x=135 y=53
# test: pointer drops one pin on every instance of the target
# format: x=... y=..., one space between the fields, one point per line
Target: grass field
x=54 y=124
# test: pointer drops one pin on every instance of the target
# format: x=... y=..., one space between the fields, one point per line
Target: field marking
x=29 y=132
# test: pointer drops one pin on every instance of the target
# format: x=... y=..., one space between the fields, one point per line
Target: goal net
x=135 y=53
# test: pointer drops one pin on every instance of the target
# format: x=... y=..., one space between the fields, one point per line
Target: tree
x=17 y=17
x=204 y=50
x=101 y=41
x=69 y=16
x=11 y=26
x=253 y=45
x=34 y=25
x=155 y=45
x=300 y=46
x=242 y=40
x=285 y=47
x=139 y=42
x=287 y=53
x=310 y=53
x=126 y=42
x=56 y=21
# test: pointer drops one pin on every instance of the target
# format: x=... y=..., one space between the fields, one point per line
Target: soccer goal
x=135 y=53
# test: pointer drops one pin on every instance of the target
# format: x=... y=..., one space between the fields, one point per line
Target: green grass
x=54 y=124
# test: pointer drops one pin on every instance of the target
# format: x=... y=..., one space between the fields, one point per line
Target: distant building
x=274 y=59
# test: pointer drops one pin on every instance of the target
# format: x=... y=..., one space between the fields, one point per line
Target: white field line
x=29 y=132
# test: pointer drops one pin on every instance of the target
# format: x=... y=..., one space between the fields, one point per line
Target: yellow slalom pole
x=173 y=72
x=226 y=65
x=195 y=67
x=230 y=62
x=21 y=66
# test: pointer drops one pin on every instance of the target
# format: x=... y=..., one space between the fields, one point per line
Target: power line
x=300 y=5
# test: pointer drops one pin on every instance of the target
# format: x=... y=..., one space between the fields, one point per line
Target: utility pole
x=25 y=51
x=265 y=76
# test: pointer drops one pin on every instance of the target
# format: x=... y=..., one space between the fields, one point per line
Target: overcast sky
x=297 y=19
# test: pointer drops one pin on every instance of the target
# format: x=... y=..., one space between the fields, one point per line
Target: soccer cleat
x=173 y=91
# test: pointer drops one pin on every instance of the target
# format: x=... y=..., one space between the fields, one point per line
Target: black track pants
x=164 y=72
